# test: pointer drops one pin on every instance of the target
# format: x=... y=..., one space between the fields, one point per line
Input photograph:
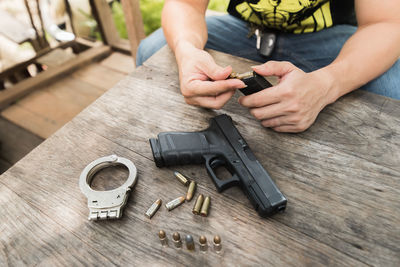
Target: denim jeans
x=309 y=51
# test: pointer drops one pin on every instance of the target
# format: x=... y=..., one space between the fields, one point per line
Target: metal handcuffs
x=107 y=204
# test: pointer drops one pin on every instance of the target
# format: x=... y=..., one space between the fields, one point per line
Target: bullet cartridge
x=189 y=242
x=153 y=209
x=191 y=190
x=163 y=238
x=235 y=75
x=174 y=203
x=176 y=239
x=198 y=204
x=217 y=243
x=203 y=243
x=181 y=178
x=205 y=207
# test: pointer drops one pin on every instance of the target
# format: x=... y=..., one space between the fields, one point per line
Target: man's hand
x=203 y=82
x=293 y=104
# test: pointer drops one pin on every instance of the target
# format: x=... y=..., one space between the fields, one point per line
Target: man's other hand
x=294 y=103
x=204 y=83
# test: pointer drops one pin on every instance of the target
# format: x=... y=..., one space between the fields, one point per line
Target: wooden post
x=102 y=13
x=134 y=23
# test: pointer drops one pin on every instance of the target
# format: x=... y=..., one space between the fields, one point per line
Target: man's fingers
x=216 y=102
x=210 y=88
x=287 y=124
x=289 y=129
x=276 y=68
x=275 y=122
x=268 y=112
x=265 y=97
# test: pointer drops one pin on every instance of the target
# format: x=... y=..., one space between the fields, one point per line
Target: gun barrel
x=255 y=181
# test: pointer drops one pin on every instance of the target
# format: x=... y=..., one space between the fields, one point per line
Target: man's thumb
x=274 y=68
x=218 y=73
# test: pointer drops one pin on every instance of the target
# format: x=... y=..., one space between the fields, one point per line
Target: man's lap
x=309 y=51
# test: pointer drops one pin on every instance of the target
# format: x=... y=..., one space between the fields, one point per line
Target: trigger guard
x=221 y=185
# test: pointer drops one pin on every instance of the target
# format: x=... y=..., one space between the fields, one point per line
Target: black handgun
x=254 y=81
x=221 y=145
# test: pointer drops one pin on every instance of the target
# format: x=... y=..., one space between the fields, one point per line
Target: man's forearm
x=183 y=24
x=367 y=54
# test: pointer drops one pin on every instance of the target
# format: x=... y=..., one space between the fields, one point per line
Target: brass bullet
x=163 y=238
x=203 y=243
x=235 y=75
x=153 y=209
x=217 y=243
x=181 y=178
x=189 y=242
x=205 y=207
x=197 y=204
x=176 y=238
x=174 y=203
x=191 y=190
x=161 y=234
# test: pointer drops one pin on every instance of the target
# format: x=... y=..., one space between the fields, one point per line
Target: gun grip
x=214 y=162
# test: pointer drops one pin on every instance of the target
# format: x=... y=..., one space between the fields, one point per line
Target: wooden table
x=341 y=178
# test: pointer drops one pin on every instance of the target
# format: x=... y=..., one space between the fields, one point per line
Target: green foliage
x=91 y=23
x=151 y=14
x=119 y=19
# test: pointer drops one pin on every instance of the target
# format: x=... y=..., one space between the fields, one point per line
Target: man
x=319 y=56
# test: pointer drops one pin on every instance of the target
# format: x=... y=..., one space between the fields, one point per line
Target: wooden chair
x=134 y=24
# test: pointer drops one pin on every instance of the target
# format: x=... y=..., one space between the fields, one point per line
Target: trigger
x=225 y=184
x=221 y=185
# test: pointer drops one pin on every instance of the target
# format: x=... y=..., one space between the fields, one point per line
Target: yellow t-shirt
x=296 y=16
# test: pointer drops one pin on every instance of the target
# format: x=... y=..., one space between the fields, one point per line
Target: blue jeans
x=308 y=51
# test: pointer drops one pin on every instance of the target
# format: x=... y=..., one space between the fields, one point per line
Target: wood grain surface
x=341 y=178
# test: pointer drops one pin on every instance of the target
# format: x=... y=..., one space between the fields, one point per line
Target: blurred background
x=58 y=56
x=85 y=25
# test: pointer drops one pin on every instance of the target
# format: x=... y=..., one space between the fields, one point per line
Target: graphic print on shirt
x=297 y=16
